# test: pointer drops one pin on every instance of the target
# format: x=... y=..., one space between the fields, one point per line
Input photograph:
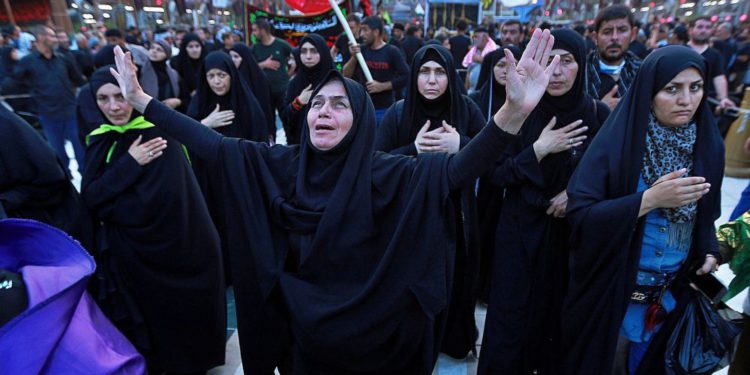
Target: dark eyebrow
x=335 y=97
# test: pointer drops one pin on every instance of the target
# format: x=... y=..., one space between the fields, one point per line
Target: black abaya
x=33 y=182
x=292 y=116
x=396 y=135
x=256 y=80
x=607 y=232
x=187 y=67
x=331 y=256
x=529 y=271
x=160 y=245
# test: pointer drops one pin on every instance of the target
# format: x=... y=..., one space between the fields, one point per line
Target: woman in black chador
x=343 y=253
x=490 y=97
x=243 y=59
x=158 y=248
x=225 y=103
x=437 y=117
x=188 y=63
x=529 y=272
x=313 y=63
x=642 y=208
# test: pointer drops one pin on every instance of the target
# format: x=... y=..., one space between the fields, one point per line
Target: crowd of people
x=568 y=178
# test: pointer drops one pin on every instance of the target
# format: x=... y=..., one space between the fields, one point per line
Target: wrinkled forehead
x=332 y=88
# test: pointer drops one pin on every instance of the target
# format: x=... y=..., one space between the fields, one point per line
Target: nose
x=683 y=97
x=325 y=110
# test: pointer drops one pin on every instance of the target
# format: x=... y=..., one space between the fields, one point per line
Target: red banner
x=310 y=6
x=27 y=11
x=293 y=28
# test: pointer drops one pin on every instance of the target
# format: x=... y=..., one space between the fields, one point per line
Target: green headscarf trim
x=134 y=124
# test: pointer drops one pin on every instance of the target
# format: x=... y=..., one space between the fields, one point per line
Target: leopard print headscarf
x=667 y=150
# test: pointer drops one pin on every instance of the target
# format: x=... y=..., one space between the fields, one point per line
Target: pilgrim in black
x=529 y=273
x=249 y=70
x=225 y=103
x=490 y=97
x=168 y=80
x=331 y=263
x=157 y=240
x=33 y=183
x=609 y=212
x=434 y=94
x=188 y=62
x=313 y=62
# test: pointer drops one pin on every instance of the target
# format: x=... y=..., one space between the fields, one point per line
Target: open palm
x=528 y=78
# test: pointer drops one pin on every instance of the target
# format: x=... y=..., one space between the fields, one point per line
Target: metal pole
x=10 y=12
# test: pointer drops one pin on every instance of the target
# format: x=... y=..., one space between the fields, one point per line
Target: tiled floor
x=730 y=194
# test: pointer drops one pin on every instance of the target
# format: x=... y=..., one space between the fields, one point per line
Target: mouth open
x=324 y=127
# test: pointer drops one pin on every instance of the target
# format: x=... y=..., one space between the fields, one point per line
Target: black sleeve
x=199 y=139
x=602 y=112
x=516 y=167
x=74 y=73
x=401 y=75
x=386 y=138
x=288 y=112
x=478 y=155
x=717 y=65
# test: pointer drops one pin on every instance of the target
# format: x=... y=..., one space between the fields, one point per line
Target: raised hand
x=528 y=78
x=304 y=96
x=127 y=78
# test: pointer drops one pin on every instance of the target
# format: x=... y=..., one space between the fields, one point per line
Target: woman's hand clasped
x=672 y=191
x=146 y=152
x=443 y=139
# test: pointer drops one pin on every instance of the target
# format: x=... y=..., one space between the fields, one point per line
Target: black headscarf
x=305 y=76
x=313 y=75
x=573 y=100
x=161 y=248
x=450 y=106
x=166 y=89
x=293 y=237
x=603 y=210
x=239 y=99
x=258 y=83
x=492 y=92
x=187 y=67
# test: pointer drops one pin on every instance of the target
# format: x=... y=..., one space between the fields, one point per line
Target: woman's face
x=309 y=55
x=194 y=50
x=564 y=76
x=432 y=80
x=675 y=104
x=114 y=106
x=219 y=81
x=236 y=58
x=330 y=116
x=500 y=71
x=156 y=53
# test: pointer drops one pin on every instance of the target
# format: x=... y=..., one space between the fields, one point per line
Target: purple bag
x=62 y=331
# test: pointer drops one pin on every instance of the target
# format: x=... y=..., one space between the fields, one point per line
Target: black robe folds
x=33 y=182
x=258 y=83
x=529 y=272
x=347 y=252
x=160 y=248
x=607 y=233
x=291 y=116
x=396 y=135
x=187 y=67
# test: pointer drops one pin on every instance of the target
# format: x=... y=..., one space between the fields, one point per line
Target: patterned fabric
x=736 y=236
x=667 y=150
x=627 y=74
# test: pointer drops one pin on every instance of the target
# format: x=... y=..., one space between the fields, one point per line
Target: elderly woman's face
x=219 y=81
x=330 y=116
x=675 y=104
x=564 y=76
x=432 y=80
x=110 y=101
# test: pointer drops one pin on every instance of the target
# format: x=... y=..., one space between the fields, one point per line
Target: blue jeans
x=743 y=205
x=379 y=114
x=56 y=132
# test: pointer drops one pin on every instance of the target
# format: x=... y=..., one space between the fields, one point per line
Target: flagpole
x=352 y=39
